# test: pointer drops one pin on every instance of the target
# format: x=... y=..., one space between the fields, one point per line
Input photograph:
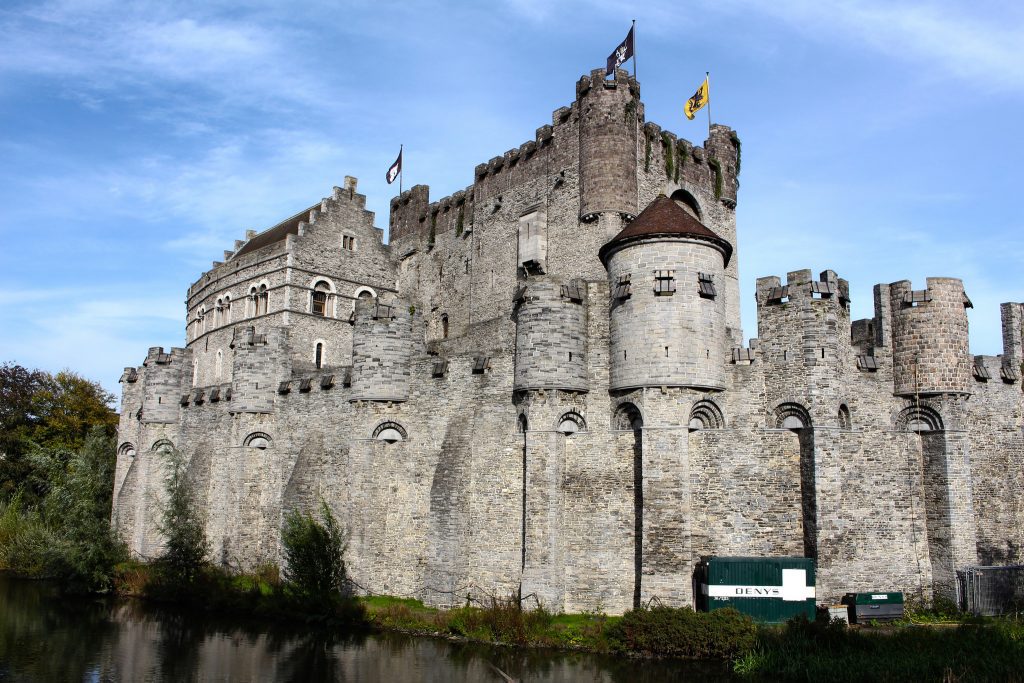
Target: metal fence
x=991 y=591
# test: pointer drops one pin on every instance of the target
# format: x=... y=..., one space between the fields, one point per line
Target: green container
x=769 y=589
x=877 y=606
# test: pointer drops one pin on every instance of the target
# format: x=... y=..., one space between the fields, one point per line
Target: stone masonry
x=540 y=387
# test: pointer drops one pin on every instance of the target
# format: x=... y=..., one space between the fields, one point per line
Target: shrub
x=186 y=547
x=681 y=632
x=313 y=552
x=501 y=621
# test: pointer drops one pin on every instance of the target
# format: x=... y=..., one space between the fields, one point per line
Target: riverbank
x=942 y=645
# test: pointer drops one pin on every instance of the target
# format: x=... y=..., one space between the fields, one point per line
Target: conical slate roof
x=664 y=218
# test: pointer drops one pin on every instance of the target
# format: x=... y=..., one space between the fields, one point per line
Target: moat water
x=47 y=637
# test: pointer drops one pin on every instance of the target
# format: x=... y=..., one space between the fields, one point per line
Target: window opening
x=319 y=356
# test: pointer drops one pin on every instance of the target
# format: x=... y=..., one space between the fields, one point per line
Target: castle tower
x=608 y=133
x=381 y=351
x=668 y=311
x=929 y=338
x=259 y=365
x=162 y=381
x=551 y=335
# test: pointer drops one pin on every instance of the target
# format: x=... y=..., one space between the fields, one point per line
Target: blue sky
x=139 y=140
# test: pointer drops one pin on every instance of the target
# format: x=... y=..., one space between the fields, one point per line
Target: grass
x=985 y=650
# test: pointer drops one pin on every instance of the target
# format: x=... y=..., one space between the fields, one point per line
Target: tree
x=186 y=546
x=52 y=412
x=313 y=553
x=78 y=507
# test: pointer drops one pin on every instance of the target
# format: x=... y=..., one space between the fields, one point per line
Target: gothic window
x=219 y=367
x=319 y=355
x=664 y=282
x=226 y=318
x=202 y=319
x=218 y=313
x=319 y=302
x=253 y=298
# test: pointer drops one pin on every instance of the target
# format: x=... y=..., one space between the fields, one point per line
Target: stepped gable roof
x=277 y=233
x=664 y=218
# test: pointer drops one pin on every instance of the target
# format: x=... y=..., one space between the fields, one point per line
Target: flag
x=623 y=52
x=699 y=99
x=395 y=169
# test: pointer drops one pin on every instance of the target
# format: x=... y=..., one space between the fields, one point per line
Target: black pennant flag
x=623 y=52
x=395 y=169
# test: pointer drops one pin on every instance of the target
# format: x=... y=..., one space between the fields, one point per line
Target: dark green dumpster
x=769 y=589
x=865 y=607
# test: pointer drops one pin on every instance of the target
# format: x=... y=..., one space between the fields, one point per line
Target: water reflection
x=47 y=637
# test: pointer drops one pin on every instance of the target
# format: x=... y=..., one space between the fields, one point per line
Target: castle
x=540 y=386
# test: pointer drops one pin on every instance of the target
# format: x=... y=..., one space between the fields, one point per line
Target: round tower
x=550 y=335
x=608 y=111
x=668 y=310
x=930 y=352
x=381 y=351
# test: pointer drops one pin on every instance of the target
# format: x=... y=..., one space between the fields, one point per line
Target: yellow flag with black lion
x=699 y=99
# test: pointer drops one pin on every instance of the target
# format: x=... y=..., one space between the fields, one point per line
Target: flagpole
x=633 y=31
x=707 y=77
x=402 y=165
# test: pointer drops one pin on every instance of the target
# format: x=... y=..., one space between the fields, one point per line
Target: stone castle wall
x=473 y=427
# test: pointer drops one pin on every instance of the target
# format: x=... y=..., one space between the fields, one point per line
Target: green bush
x=186 y=547
x=502 y=621
x=681 y=632
x=314 y=568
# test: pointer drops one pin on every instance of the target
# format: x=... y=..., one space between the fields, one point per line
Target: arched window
x=126 y=449
x=919 y=419
x=202 y=319
x=195 y=372
x=444 y=325
x=219 y=365
x=390 y=432
x=628 y=417
x=318 y=305
x=687 y=202
x=706 y=415
x=253 y=309
x=162 y=447
x=844 y=417
x=522 y=424
x=262 y=301
x=260 y=440
x=218 y=312
x=318 y=355
x=570 y=423
x=792 y=416
x=226 y=315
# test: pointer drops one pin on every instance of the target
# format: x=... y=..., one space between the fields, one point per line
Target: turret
x=1012 y=315
x=162 y=384
x=381 y=351
x=550 y=320
x=668 y=311
x=259 y=365
x=806 y=320
x=929 y=338
x=608 y=111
